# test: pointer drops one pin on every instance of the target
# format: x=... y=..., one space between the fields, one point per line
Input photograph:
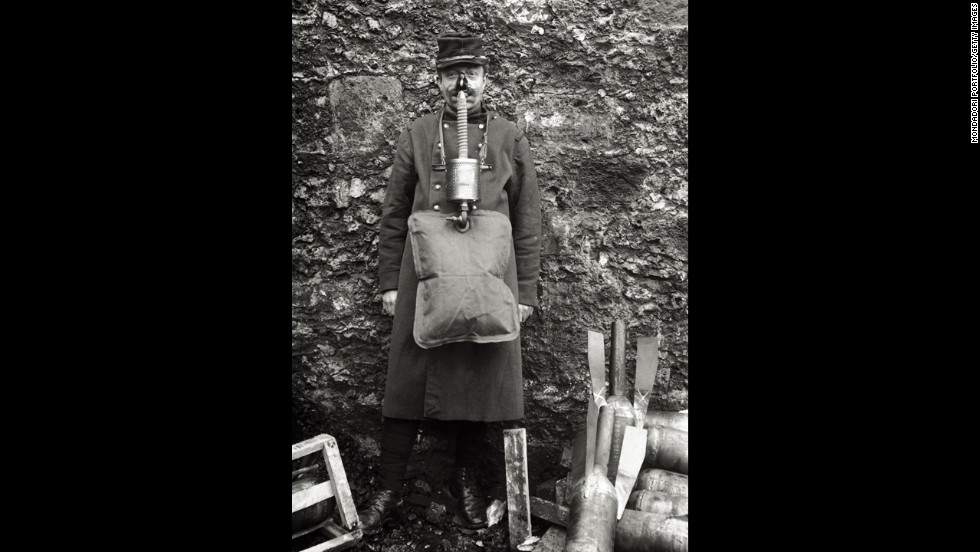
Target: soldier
x=461 y=384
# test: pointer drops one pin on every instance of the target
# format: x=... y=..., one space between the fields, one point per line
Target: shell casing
x=462 y=179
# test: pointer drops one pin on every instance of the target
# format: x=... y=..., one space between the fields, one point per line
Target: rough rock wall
x=600 y=87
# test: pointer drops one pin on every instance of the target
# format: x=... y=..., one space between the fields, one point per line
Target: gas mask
x=462 y=173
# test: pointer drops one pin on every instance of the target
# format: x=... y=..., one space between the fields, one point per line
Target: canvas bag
x=462 y=295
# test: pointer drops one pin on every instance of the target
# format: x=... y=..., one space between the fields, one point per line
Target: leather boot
x=472 y=506
x=378 y=510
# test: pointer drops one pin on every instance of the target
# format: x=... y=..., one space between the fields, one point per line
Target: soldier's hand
x=388 y=301
x=524 y=312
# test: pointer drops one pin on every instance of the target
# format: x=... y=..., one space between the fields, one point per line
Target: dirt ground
x=432 y=527
x=427 y=520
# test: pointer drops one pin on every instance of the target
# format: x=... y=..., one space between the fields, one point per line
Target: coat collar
x=480 y=118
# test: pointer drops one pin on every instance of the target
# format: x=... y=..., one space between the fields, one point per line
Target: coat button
x=438 y=186
x=481 y=125
x=445 y=125
x=436 y=207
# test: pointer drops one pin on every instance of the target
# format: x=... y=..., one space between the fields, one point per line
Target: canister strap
x=442 y=149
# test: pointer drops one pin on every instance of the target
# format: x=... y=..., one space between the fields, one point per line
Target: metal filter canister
x=462 y=179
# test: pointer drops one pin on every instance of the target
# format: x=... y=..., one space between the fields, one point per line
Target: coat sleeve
x=525 y=219
x=394 y=214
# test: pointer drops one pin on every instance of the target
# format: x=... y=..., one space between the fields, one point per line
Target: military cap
x=459 y=48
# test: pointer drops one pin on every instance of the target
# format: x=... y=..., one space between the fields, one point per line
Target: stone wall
x=600 y=86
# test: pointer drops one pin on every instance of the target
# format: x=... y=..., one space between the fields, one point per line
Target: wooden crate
x=339 y=536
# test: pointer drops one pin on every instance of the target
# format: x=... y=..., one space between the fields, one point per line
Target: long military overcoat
x=457 y=381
